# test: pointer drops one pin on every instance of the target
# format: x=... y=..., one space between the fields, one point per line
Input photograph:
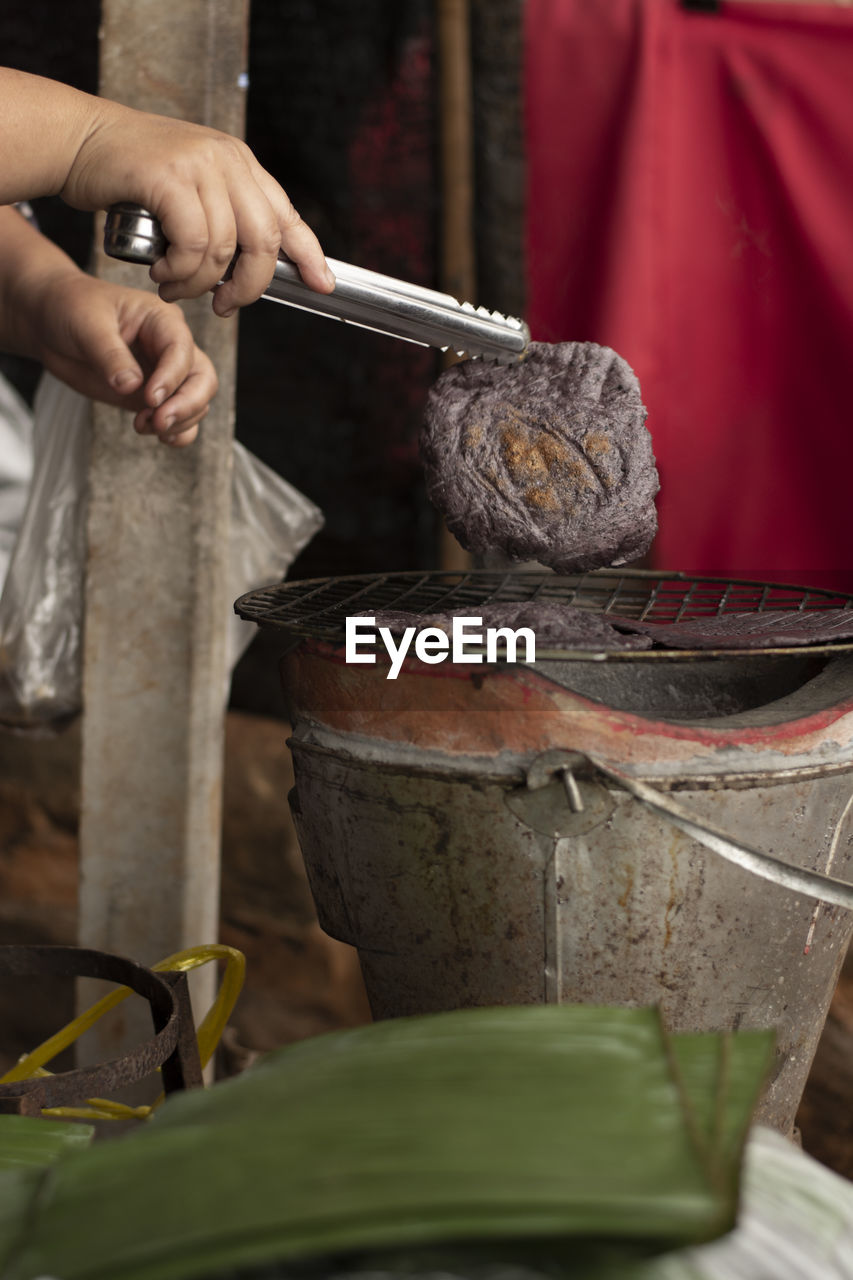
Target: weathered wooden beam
x=157 y=602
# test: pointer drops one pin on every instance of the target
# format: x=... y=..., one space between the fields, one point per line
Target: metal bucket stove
x=514 y=834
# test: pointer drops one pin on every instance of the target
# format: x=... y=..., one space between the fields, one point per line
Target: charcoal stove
x=519 y=833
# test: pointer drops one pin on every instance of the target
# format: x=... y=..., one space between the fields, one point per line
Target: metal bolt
x=572 y=791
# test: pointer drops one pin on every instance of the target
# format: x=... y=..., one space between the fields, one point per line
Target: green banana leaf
x=27 y=1145
x=27 y=1141
x=548 y=1125
x=795 y=1222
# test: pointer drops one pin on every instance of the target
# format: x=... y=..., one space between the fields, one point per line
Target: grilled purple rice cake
x=547 y=460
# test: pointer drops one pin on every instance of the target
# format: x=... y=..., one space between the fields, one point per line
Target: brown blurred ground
x=299 y=982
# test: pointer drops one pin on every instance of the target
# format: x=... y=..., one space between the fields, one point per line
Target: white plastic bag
x=270 y=524
x=16 y=467
x=41 y=606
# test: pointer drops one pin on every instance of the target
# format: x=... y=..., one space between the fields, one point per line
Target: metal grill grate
x=318 y=608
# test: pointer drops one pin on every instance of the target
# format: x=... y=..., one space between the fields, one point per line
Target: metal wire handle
x=765 y=865
x=560 y=764
x=360 y=297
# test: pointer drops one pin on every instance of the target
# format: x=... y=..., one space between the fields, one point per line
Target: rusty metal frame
x=173 y=1047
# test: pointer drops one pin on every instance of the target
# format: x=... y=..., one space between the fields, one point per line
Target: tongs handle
x=360 y=297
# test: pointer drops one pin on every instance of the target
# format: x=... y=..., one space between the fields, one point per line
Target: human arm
x=206 y=188
x=123 y=346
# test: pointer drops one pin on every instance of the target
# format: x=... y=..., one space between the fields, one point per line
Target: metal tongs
x=360 y=297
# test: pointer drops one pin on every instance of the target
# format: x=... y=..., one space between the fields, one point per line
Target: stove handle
x=815 y=884
x=557 y=803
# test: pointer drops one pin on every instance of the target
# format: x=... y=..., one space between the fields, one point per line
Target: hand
x=127 y=348
x=120 y=345
x=207 y=189
x=210 y=195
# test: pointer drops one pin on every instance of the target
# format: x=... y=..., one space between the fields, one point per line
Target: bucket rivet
x=572 y=791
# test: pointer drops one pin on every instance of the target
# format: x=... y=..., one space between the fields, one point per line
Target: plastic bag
x=16 y=467
x=42 y=601
x=270 y=524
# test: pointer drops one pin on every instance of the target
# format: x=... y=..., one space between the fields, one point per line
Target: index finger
x=302 y=247
x=297 y=239
x=254 y=269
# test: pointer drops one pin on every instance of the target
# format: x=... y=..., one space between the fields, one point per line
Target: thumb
x=106 y=351
x=123 y=373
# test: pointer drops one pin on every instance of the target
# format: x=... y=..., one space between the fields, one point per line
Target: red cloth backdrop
x=690 y=203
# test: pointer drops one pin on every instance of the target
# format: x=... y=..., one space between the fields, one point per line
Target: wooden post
x=456 y=147
x=157 y=603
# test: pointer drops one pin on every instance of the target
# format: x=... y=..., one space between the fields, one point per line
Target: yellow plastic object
x=208 y=1033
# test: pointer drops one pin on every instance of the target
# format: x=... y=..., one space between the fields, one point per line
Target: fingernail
x=226 y=315
x=169 y=422
x=124 y=380
x=158 y=396
x=330 y=277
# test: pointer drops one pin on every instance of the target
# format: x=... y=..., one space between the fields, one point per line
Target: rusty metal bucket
x=571 y=830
